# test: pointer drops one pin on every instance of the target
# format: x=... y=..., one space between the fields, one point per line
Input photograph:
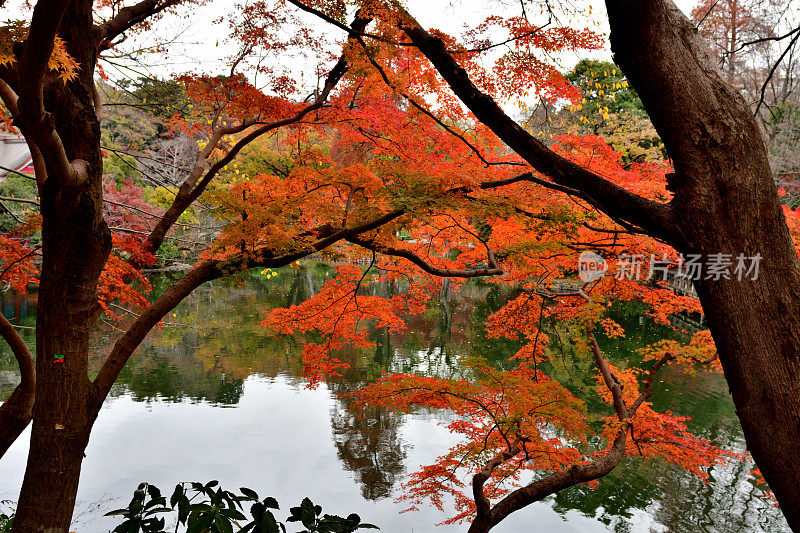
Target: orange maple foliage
x=390 y=139
x=379 y=146
x=17 y=267
x=492 y=410
x=60 y=61
x=121 y=279
x=383 y=155
x=534 y=238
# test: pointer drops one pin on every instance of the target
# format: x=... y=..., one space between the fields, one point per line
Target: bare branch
x=127 y=18
x=371 y=244
x=189 y=192
x=772 y=72
x=764 y=40
x=19 y=200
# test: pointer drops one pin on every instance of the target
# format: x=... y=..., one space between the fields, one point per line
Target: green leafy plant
x=309 y=515
x=207 y=508
x=140 y=514
x=6 y=517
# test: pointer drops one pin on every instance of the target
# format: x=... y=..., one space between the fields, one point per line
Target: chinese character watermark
x=689 y=267
x=629 y=266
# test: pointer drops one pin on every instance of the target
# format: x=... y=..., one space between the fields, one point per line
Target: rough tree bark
x=725 y=202
x=75 y=245
x=60 y=121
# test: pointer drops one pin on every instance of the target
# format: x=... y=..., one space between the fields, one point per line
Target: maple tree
x=519 y=420
x=402 y=157
x=723 y=201
x=83 y=266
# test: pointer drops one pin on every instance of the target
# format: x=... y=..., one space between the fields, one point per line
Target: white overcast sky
x=201 y=45
x=204 y=47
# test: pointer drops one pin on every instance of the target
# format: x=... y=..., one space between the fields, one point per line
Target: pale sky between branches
x=198 y=42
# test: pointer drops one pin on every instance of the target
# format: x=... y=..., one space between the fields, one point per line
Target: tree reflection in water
x=215 y=341
x=368 y=444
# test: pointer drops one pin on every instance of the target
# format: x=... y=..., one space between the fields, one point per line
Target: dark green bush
x=207 y=508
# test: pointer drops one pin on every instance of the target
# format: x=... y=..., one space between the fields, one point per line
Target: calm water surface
x=214 y=395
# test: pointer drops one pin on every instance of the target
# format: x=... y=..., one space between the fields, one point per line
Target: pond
x=215 y=395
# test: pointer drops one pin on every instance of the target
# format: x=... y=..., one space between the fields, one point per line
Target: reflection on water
x=215 y=395
x=368 y=445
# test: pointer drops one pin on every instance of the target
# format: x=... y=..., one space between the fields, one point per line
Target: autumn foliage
x=384 y=172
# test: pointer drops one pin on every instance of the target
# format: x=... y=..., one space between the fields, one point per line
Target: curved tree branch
x=482 y=503
x=653 y=217
x=10 y=99
x=627 y=208
x=197 y=182
x=17 y=411
x=774 y=69
x=492 y=270
x=206 y=271
x=32 y=68
x=487 y=518
x=127 y=18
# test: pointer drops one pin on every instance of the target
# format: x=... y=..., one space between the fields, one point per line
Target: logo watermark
x=591 y=266
x=693 y=267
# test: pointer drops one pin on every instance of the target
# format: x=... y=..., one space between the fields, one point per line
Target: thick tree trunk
x=51 y=480
x=76 y=243
x=756 y=328
x=480 y=525
x=725 y=202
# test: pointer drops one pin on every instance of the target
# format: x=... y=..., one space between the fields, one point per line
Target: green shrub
x=207 y=508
